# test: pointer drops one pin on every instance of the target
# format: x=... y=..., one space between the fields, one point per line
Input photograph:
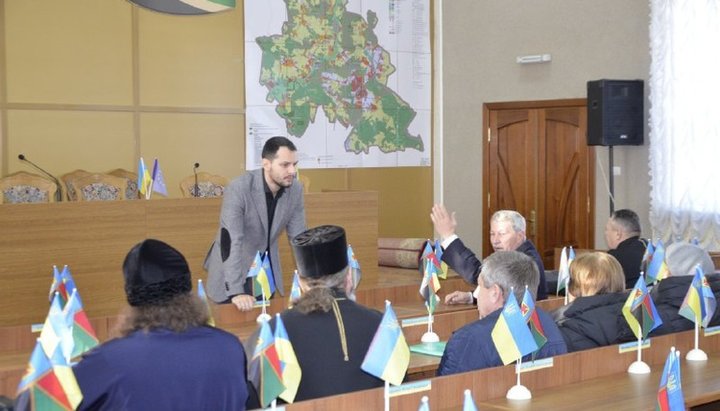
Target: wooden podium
x=92 y=238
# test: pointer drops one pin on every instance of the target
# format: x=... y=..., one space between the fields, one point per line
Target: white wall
x=588 y=40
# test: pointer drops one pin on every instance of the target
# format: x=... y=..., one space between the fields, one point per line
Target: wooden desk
x=92 y=238
x=581 y=370
x=623 y=391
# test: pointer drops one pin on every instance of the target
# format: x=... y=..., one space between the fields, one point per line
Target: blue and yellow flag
x=144 y=180
x=289 y=366
x=354 y=265
x=647 y=256
x=265 y=277
x=699 y=303
x=657 y=268
x=670 y=395
x=511 y=335
x=260 y=281
x=389 y=355
x=639 y=310
x=430 y=286
x=295 y=291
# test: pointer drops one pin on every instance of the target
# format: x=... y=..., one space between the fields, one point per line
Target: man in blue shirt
x=471 y=347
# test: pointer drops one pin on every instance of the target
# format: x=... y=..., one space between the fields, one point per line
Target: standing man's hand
x=443 y=221
x=243 y=302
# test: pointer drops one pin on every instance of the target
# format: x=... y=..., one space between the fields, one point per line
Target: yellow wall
x=93 y=85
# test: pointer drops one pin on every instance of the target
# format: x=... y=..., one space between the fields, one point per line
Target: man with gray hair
x=507 y=233
x=681 y=259
x=471 y=347
x=622 y=235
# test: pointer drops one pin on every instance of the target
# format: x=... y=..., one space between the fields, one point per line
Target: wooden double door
x=537 y=162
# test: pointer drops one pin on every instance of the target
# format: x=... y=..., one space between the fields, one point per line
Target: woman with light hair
x=593 y=318
x=595 y=273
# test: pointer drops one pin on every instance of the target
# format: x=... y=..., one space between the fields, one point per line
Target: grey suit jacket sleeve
x=232 y=219
x=297 y=224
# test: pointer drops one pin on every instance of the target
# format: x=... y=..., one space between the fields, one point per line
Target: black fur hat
x=320 y=251
x=154 y=273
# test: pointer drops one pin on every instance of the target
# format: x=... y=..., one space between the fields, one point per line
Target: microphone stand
x=196 y=190
x=59 y=192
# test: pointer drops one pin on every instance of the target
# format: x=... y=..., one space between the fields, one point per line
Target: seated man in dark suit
x=507 y=233
x=622 y=235
x=668 y=294
x=471 y=347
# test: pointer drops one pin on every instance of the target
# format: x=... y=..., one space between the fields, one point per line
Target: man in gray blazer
x=256 y=208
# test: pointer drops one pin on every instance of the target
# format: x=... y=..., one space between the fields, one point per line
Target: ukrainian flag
x=657 y=268
x=388 y=356
x=511 y=335
x=699 y=303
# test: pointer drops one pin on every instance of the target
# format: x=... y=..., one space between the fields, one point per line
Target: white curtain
x=685 y=120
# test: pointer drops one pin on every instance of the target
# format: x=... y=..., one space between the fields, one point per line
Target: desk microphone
x=58 y=193
x=196 y=192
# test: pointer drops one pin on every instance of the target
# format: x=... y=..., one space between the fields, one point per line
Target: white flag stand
x=696 y=354
x=264 y=316
x=639 y=367
x=430 y=336
x=518 y=391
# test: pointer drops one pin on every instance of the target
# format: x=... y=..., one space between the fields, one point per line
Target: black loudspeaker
x=615 y=112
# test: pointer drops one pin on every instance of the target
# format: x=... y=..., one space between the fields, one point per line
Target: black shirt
x=629 y=254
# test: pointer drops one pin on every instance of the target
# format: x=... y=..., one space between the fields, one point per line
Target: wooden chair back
x=209 y=185
x=67 y=178
x=131 y=189
x=99 y=187
x=23 y=187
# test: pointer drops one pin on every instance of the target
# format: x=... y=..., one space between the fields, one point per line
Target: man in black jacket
x=622 y=235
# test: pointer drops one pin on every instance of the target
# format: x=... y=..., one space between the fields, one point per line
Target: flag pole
x=696 y=354
x=518 y=391
x=566 y=291
x=263 y=314
x=639 y=367
x=387 y=396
